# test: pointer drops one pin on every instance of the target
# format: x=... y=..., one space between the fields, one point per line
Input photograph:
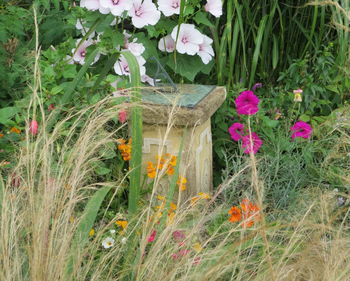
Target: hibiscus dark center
x=115 y=2
x=83 y=53
x=184 y=40
x=175 y=4
x=138 y=12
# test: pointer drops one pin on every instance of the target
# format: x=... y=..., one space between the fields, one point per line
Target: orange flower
x=1 y=135
x=172 y=161
x=15 y=130
x=151 y=171
x=250 y=212
x=125 y=149
x=122 y=223
x=181 y=182
x=235 y=213
x=160 y=162
x=170 y=170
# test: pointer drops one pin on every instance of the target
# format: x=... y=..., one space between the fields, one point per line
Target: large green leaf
x=6 y=114
x=86 y=223
x=186 y=66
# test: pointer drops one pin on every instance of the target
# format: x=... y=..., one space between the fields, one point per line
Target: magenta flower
x=33 y=127
x=253 y=146
x=247 y=103
x=122 y=116
x=301 y=129
x=152 y=236
x=236 y=131
x=179 y=236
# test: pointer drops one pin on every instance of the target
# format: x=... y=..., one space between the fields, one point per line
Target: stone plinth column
x=190 y=121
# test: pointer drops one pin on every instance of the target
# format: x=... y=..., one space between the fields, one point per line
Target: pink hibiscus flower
x=236 y=131
x=33 y=127
x=301 y=129
x=247 y=103
x=253 y=146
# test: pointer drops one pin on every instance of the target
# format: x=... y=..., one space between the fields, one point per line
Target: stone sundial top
x=185 y=95
x=195 y=103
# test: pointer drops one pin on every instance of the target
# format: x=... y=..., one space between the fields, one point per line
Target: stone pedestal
x=170 y=117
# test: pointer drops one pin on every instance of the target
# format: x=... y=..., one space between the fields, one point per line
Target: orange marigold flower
x=170 y=170
x=172 y=161
x=122 y=223
x=1 y=135
x=181 y=182
x=15 y=130
x=235 y=213
x=250 y=212
x=161 y=162
x=151 y=171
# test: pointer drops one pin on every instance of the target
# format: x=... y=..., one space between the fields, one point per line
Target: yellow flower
x=182 y=183
x=203 y=195
x=160 y=197
x=92 y=232
x=122 y=223
x=172 y=207
x=15 y=130
x=197 y=247
x=170 y=219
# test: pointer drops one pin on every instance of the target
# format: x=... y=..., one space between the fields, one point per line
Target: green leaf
x=86 y=223
x=186 y=66
x=101 y=171
x=202 y=18
x=6 y=114
x=70 y=71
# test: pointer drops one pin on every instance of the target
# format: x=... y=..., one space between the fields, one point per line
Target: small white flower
x=166 y=43
x=108 y=242
x=188 y=39
x=112 y=231
x=206 y=51
x=214 y=7
x=124 y=240
x=144 y=13
x=116 y=7
x=169 y=7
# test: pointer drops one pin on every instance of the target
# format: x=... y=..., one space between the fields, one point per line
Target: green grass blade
x=2 y=188
x=82 y=233
x=258 y=42
x=110 y=62
x=275 y=53
x=136 y=134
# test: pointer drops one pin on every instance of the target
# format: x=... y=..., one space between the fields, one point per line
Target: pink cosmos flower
x=121 y=67
x=151 y=238
x=169 y=7
x=167 y=44
x=247 y=103
x=79 y=54
x=122 y=116
x=253 y=146
x=188 y=39
x=179 y=236
x=33 y=127
x=301 y=129
x=214 y=7
x=236 y=131
x=206 y=51
x=180 y=254
x=116 y=7
x=144 y=13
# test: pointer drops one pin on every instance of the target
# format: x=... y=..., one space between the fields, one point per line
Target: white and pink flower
x=116 y=7
x=187 y=39
x=91 y=5
x=79 y=53
x=121 y=67
x=169 y=7
x=144 y=13
x=167 y=44
x=214 y=7
x=206 y=51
